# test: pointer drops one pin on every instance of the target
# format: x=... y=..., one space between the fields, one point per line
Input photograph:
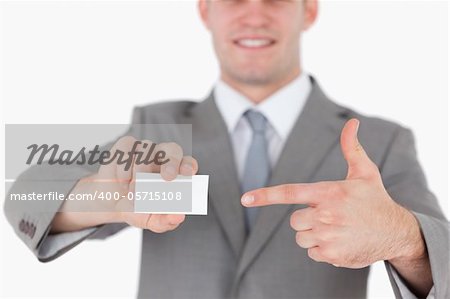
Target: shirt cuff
x=54 y=243
x=404 y=290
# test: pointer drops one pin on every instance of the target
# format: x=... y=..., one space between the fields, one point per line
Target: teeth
x=254 y=43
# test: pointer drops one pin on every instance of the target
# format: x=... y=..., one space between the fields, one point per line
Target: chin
x=255 y=77
x=251 y=75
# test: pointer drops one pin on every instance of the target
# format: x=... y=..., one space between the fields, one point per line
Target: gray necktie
x=257 y=165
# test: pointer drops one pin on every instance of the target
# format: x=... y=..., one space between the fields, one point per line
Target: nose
x=254 y=13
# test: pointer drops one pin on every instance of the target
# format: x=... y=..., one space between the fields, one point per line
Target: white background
x=91 y=62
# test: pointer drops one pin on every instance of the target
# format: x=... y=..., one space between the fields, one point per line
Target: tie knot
x=256 y=120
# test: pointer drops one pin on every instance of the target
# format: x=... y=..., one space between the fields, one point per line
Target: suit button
x=22 y=226
x=27 y=228
x=32 y=231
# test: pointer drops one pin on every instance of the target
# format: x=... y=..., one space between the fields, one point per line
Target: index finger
x=309 y=194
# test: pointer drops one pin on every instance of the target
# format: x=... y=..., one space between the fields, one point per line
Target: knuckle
x=175 y=148
x=325 y=236
x=188 y=159
x=340 y=191
x=288 y=192
x=359 y=148
x=345 y=192
x=126 y=139
x=171 y=149
x=173 y=160
x=147 y=144
x=124 y=142
x=326 y=216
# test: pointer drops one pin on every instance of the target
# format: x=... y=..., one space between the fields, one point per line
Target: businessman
x=304 y=194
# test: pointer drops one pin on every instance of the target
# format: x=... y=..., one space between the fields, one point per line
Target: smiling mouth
x=254 y=43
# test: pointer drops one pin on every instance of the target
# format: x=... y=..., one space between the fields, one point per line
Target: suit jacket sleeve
x=405 y=181
x=33 y=225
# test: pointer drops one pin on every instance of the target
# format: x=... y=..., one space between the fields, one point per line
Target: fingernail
x=248 y=199
x=357 y=126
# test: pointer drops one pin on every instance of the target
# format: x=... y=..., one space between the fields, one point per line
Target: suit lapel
x=214 y=153
x=315 y=133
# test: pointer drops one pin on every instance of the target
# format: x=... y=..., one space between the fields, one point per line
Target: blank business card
x=183 y=195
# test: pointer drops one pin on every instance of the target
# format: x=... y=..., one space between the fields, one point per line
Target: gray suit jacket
x=209 y=256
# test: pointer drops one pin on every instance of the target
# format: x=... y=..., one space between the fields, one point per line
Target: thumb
x=359 y=164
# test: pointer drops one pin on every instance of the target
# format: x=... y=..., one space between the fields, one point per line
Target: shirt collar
x=281 y=108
